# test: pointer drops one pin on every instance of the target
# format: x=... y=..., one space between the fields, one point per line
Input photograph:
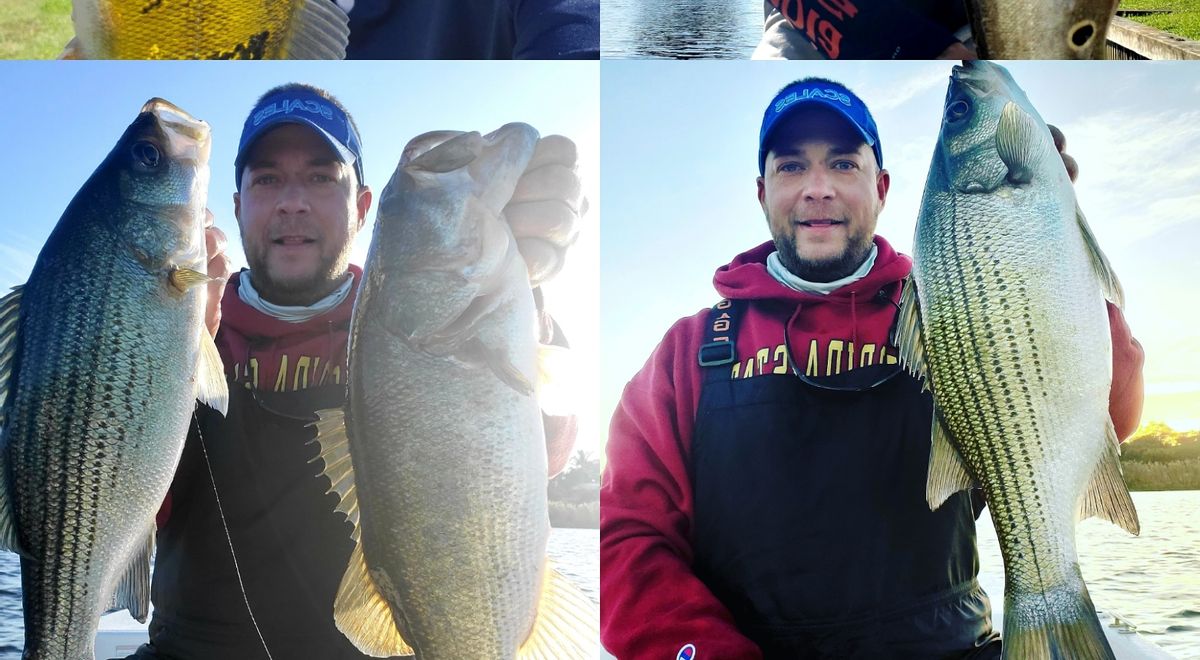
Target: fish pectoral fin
x=211 y=387
x=908 y=334
x=1107 y=496
x=183 y=279
x=947 y=472
x=133 y=591
x=1109 y=283
x=1017 y=142
x=319 y=31
x=567 y=624
x=339 y=469
x=362 y=613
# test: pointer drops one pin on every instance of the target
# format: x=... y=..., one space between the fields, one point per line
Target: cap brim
x=809 y=103
x=344 y=154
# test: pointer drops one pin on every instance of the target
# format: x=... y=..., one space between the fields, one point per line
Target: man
x=765 y=488
x=863 y=30
x=250 y=549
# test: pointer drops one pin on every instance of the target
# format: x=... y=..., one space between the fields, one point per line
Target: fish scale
x=1006 y=319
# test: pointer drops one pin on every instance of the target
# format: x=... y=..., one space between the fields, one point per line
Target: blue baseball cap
x=300 y=105
x=808 y=93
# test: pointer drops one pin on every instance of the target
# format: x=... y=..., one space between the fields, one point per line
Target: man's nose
x=293 y=198
x=818 y=184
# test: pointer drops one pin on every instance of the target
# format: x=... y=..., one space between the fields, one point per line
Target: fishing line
x=221 y=512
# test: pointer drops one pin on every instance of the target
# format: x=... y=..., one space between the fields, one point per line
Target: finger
x=1071 y=165
x=1060 y=140
x=554 y=149
x=209 y=218
x=552 y=182
x=551 y=220
x=543 y=259
x=216 y=289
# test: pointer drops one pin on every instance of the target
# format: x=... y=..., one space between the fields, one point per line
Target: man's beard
x=299 y=292
x=824 y=270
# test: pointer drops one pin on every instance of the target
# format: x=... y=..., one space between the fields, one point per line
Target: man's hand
x=219 y=268
x=1060 y=143
x=546 y=206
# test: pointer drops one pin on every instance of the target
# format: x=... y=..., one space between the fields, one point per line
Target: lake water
x=719 y=29
x=575 y=552
x=1151 y=580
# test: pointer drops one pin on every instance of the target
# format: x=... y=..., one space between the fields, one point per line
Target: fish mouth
x=188 y=138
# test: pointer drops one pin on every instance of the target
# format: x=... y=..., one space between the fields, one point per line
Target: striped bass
x=1006 y=320
x=103 y=353
x=440 y=456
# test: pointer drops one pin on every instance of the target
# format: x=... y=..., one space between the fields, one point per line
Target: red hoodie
x=651 y=603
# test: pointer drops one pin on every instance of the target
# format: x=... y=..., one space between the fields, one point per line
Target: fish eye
x=145 y=154
x=1082 y=33
x=957 y=110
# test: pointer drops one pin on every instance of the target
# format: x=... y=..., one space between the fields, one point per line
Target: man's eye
x=264 y=179
x=845 y=165
x=322 y=178
x=791 y=166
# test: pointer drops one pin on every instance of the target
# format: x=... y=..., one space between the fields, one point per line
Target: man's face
x=822 y=192
x=299 y=210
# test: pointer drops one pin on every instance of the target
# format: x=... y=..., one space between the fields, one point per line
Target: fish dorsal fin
x=362 y=613
x=335 y=455
x=133 y=591
x=908 y=333
x=320 y=31
x=211 y=387
x=567 y=624
x=10 y=344
x=1107 y=496
x=1109 y=283
x=1018 y=140
x=10 y=317
x=947 y=472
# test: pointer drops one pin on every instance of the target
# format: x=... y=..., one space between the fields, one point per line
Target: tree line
x=1159 y=458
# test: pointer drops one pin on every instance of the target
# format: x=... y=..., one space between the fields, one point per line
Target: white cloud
x=904 y=88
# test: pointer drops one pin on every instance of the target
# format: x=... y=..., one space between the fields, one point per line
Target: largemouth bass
x=103 y=353
x=1070 y=30
x=1007 y=322
x=209 y=29
x=443 y=471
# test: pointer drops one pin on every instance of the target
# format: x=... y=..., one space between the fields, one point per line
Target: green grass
x=1184 y=19
x=34 y=29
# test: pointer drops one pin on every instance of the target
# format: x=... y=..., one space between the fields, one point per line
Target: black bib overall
x=292 y=547
x=811 y=524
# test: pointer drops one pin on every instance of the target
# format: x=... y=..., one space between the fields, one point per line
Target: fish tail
x=1060 y=624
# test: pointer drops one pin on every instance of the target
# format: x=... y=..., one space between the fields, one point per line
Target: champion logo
x=831 y=94
x=688 y=652
x=293 y=105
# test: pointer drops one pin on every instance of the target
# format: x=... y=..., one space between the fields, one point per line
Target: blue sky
x=680 y=143
x=60 y=119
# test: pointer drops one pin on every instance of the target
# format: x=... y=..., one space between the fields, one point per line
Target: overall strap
x=720 y=339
